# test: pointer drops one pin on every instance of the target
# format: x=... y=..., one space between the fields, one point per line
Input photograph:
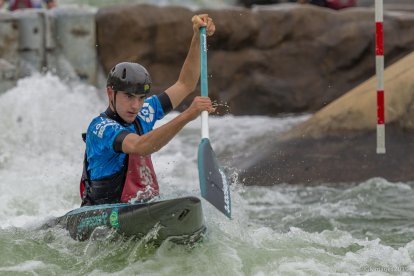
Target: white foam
x=41 y=156
x=28 y=266
x=42 y=148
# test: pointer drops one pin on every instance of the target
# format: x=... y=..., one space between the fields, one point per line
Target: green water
x=350 y=229
x=284 y=230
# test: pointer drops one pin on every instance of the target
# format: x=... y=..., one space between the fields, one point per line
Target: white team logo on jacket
x=147 y=113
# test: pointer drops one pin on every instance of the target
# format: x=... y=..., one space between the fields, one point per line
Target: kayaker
x=120 y=141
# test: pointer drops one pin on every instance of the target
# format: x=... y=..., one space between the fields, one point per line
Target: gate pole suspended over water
x=379 y=64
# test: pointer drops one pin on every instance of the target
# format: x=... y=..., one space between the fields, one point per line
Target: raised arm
x=190 y=72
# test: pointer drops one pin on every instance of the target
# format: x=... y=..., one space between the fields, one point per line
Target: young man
x=120 y=141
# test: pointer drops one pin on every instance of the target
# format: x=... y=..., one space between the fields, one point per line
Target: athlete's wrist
x=188 y=115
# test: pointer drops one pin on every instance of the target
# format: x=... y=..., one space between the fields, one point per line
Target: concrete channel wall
x=61 y=40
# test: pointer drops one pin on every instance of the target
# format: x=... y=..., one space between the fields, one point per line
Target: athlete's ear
x=110 y=92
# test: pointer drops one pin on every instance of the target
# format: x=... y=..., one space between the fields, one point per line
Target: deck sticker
x=92 y=222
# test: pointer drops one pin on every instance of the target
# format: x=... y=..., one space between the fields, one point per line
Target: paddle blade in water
x=214 y=184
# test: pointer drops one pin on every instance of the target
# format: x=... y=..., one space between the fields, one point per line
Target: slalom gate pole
x=379 y=65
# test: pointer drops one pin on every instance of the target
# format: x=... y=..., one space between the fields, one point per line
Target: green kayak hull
x=180 y=220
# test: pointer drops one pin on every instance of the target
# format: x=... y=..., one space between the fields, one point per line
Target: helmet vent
x=124 y=73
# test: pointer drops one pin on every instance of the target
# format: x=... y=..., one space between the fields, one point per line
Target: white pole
x=379 y=66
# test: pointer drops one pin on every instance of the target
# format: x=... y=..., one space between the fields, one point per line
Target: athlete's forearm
x=190 y=72
x=157 y=138
x=154 y=140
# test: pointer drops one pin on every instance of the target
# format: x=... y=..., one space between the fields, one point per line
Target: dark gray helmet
x=129 y=77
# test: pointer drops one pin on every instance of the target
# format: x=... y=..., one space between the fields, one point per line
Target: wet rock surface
x=338 y=143
x=265 y=61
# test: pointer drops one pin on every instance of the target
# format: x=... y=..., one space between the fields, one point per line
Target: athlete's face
x=127 y=105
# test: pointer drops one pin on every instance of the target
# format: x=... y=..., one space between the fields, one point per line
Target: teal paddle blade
x=214 y=184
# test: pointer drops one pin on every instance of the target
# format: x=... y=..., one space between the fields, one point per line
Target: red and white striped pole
x=379 y=64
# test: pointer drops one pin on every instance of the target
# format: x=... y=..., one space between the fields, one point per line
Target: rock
x=338 y=143
x=356 y=111
x=390 y=5
x=158 y=38
x=9 y=37
x=266 y=61
x=8 y=75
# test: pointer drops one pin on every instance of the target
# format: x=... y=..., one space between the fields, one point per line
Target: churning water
x=358 y=228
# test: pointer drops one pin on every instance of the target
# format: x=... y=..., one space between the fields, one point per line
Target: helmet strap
x=114 y=103
x=115 y=114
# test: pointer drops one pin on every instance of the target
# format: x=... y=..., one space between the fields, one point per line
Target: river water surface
x=355 y=228
x=362 y=228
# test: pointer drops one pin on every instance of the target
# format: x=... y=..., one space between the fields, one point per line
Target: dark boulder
x=265 y=61
x=338 y=143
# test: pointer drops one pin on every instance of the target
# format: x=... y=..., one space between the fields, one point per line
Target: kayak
x=179 y=220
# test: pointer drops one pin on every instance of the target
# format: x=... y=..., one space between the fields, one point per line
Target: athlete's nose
x=137 y=102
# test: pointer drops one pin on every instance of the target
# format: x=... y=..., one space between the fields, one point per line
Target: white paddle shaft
x=204 y=125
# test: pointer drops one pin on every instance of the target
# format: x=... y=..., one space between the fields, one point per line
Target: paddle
x=214 y=184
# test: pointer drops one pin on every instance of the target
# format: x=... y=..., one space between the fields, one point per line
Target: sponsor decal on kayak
x=92 y=222
x=113 y=218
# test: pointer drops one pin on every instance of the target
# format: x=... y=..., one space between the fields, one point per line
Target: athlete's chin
x=129 y=118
